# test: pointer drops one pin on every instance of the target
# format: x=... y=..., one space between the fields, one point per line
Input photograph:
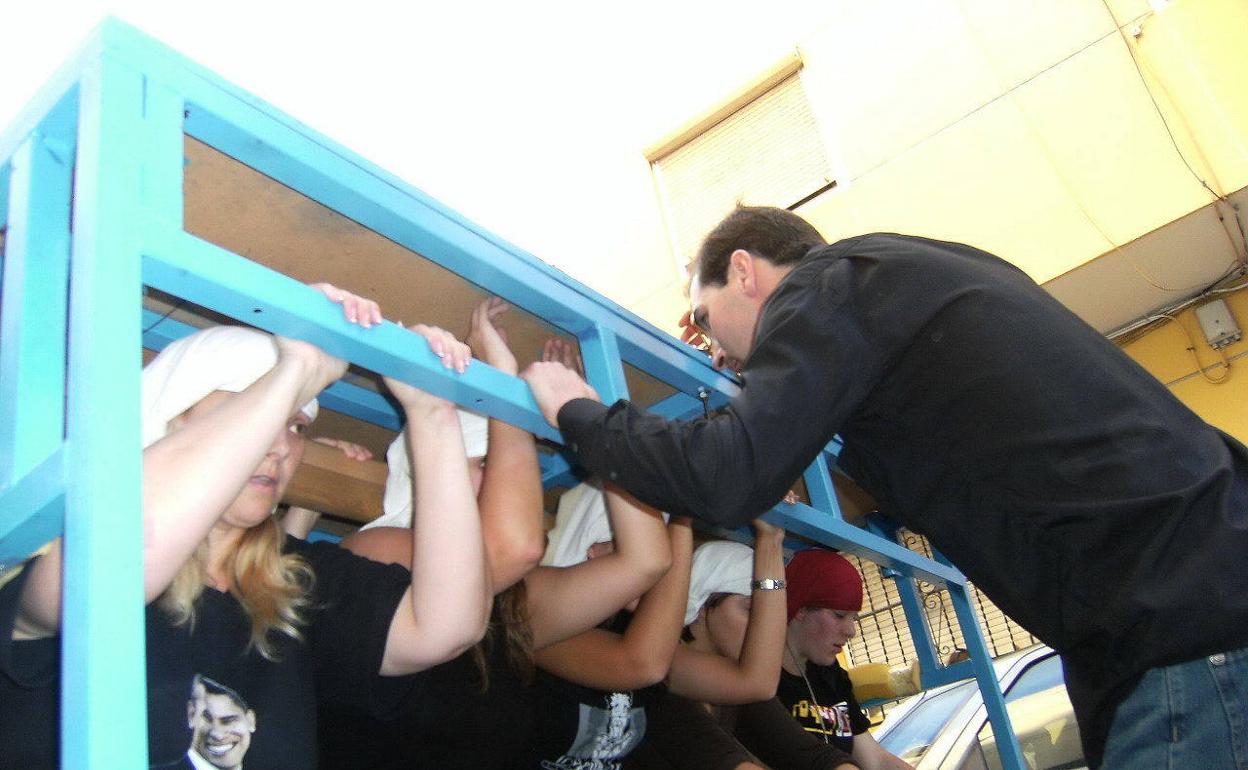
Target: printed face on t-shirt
x=221 y=730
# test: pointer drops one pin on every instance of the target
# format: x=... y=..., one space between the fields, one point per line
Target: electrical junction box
x=1218 y=324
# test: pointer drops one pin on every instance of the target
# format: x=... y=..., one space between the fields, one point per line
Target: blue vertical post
x=818 y=477
x=33 y=304
x=103 y=706
x=1007 y=742
x=32 y=335
x=5 y=172
x=931 y=667
x=600 y=352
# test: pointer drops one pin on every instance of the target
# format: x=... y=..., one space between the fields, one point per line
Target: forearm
x=654 y=630
x=763 y=648
x=564 y=602
x=770 y=733
x=708 y=469
x=641 y=541
x=511 y=505
x=299 y=521
x=451 y=592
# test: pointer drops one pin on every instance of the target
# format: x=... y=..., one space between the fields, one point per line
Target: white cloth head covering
x=219 y=358
x=719 y=567
x=396 y=503
x=580 y=522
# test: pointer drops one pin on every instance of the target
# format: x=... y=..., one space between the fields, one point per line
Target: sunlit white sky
x=528 y=117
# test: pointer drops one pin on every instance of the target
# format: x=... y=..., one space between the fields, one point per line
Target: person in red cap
x=824 y=597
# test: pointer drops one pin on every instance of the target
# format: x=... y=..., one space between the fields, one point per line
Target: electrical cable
x=1191 y=346
x=1218 y=197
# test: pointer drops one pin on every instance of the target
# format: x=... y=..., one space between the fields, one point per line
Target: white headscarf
x=397 y=501
x=219 y=358
x=719 y=567
x=580 y=522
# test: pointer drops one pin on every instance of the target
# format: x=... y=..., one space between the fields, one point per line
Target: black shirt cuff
x=576 y=420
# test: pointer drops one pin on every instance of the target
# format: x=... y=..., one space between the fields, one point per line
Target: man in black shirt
x=1064 y=480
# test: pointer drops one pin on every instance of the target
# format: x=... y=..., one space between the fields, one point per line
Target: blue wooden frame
x=113 y=121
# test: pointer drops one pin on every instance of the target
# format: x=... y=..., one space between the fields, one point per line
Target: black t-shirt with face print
x=210 y=696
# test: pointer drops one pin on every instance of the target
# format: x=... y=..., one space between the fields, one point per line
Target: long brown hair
x=509 y=625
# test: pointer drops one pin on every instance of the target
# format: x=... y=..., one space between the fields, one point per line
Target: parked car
x=947 y=728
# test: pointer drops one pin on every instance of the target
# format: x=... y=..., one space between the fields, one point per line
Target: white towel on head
x=719 y=567
x=580 y=522
x=219 y=358
x=397 y=501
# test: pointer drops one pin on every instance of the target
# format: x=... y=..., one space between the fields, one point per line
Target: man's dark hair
x=213 y=687
x=778 y=236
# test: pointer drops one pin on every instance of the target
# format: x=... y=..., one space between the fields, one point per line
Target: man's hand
x=554 y=385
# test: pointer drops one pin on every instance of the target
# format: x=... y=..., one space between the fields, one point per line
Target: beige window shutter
x=767 y=152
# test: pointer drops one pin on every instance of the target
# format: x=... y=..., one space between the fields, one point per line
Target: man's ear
x=741 y=270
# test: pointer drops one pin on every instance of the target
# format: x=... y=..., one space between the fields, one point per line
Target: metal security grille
x=884 y=636
x=768 y=152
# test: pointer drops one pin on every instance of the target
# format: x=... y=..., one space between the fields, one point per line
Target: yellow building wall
x=1023 y=128
x=1164 y=353
x=1026 y=128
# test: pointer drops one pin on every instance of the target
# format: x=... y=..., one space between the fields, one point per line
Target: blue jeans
x=1191 y=715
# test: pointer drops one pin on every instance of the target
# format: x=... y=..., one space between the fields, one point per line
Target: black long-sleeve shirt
x=1065 y=481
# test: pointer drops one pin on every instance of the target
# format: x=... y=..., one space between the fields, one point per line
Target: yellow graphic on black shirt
x=832 y=721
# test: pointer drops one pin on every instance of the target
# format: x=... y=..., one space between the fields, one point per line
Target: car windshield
x=913 y=736
x=1040 y=676
x=1042 y=719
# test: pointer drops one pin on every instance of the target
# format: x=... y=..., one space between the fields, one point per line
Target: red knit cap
x=818 y=578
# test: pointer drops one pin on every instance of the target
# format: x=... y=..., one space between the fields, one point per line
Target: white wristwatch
x=767 y=584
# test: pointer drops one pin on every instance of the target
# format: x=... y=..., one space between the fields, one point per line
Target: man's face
x=728 y=318
x=221 y=730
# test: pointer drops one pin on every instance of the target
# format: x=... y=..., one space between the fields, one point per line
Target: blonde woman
x=282 y=623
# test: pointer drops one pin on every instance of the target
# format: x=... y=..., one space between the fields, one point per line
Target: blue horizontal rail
x=32 y=511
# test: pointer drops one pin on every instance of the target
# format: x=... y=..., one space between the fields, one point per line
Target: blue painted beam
x=799 y=519
x=61 y=87
x=103 y=671
x=32 y=510
x=932 y=668
x=352 y=400
x=557 y=471
x=947 y=674
x=219 y=280
x=985 y=673
x=6 y=170
x=33 y=306
x=600 y=353
x=818 y=477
